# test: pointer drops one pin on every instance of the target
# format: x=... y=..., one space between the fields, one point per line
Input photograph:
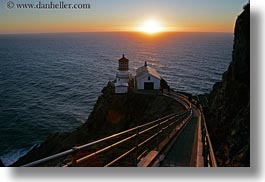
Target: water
x=50 y=82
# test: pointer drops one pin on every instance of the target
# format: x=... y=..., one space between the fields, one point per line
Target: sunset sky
x=123 y=15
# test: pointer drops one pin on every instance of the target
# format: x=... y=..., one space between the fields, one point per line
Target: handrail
x=209 y=157
x=166 y=144
x=156 y=127
x=180 y=98
x=161 y=124
x=104 y=149
x=208 y=152
x=79 y=148
x=187 y=114
x=135 y=135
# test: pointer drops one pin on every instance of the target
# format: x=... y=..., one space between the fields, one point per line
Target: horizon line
x=166 y=32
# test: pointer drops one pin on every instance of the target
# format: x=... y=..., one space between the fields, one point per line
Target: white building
x=122 y=77
x=147 y=78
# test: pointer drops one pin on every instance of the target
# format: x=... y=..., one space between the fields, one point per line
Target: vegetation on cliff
x=228 y=113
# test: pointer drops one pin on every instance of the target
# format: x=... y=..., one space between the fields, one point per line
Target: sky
x=122 y=15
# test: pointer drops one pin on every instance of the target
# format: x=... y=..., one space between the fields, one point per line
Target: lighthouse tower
x=122 y=77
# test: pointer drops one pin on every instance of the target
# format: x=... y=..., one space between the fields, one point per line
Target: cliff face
x=228 y=114
x=111 y=114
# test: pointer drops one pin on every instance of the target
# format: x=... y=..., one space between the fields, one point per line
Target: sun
x=151 y=26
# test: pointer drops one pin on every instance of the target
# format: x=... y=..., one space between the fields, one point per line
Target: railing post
x=136 y=147
x=73 y=162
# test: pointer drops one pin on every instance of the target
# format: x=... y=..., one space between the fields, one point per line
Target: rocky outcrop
x=228 y=114
x=111 y=114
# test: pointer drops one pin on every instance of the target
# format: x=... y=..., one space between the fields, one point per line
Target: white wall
x=123 y=76
x=142 y=80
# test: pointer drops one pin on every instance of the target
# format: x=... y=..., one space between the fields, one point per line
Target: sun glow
x=151 y=26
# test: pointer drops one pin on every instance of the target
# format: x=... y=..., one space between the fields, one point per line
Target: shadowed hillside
x=228 y=114
x=111 y=114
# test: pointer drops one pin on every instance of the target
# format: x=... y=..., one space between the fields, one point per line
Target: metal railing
x=137 y=134
x=182 y=99
x=208 y=152
x=133 y=143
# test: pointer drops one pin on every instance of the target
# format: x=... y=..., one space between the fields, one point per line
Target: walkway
x=181 y=153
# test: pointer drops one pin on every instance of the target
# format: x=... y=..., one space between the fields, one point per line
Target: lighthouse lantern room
x=122 y=77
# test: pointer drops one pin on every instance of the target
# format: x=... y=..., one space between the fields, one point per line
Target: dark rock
x=228 y=114
x=111 y=114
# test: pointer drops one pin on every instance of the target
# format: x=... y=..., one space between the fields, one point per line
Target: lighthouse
x=122 y=76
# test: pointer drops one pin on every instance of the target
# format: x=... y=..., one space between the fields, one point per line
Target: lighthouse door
x=149 y=85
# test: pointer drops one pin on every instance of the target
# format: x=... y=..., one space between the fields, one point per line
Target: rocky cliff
x=111 y=114
x=228 y=113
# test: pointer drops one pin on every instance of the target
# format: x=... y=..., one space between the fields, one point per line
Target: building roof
x=124 y=59
x=145 y=70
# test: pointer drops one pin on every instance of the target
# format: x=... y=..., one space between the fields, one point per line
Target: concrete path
x=181 y=153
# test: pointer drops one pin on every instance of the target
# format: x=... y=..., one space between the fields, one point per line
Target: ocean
x=50 y=82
